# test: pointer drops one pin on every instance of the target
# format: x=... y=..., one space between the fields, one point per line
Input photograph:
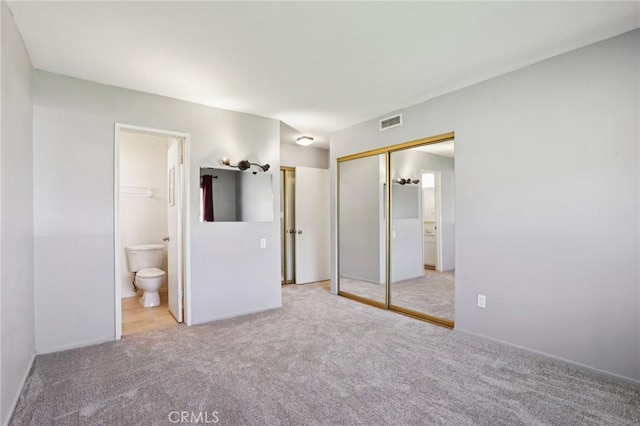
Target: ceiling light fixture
x=304 y=140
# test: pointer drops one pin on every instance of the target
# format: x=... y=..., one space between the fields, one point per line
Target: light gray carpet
x=320 y=360
x=433 y=293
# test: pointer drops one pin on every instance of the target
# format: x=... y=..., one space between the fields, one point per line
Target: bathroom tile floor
x=136 y=319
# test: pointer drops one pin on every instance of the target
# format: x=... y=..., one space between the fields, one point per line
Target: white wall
x=143 y=220
x=16 y=216
x=533 y=149
x=73 y=197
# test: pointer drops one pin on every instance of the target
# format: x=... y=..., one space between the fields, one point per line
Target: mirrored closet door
x=396 y=228
x=422 y=229
x=362 y=229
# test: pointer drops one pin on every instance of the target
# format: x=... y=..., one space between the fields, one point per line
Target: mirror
x=235 y=196
x=423 y=230
x=362 y=228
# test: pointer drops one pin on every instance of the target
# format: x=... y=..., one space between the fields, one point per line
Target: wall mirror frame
x=378 y=291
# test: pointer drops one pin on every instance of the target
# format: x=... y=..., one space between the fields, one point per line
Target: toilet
x=144 y=261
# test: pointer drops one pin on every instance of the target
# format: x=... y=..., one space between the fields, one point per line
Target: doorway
x=150 y=211
x=304 y=224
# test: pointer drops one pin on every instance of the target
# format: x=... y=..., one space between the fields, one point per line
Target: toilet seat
x=150 y=273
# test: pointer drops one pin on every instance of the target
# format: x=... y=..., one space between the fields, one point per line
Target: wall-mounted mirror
x=235 y=196
x=363 y=228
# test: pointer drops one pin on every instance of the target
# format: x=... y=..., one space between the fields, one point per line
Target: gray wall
x=410 y=163
x=406 y=227
x=73 y=198
x=293 y=155
x=16 y=224
x=255 y=196
x=547 y=202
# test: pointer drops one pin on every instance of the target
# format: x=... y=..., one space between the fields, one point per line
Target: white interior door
x=312 y=225
x=174 y=229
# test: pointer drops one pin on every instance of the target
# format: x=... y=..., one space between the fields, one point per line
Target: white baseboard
x=577 y=365
x=20 y=389
x=75 y=345
x=239 y=314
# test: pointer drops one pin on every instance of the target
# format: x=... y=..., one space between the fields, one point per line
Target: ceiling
x=317 y=66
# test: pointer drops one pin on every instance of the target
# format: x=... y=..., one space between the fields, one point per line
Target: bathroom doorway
x=151 y=204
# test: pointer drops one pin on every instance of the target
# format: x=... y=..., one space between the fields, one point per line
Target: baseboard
x=75 y=345
x=240 y=314
x=574 y=364
x=20 y=389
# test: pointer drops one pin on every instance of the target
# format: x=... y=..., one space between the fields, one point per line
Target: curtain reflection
x=206 y=190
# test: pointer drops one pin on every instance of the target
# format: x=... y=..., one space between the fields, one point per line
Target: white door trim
x=186 y=206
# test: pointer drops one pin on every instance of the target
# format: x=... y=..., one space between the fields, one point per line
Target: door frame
x=186 y=209
x=283 y=232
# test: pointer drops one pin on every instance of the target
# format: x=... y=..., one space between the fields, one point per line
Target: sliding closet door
x=421 y=249
x=362 y=229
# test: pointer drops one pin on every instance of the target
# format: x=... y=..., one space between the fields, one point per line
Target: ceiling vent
x=390 y=122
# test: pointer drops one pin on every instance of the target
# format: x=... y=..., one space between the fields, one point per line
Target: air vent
x=390 y=122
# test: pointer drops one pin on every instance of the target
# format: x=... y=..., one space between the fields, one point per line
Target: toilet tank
x=142 y=256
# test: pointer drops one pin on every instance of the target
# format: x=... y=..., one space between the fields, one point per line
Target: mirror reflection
x=362 y=232
x=235 y=196
x=423 y=230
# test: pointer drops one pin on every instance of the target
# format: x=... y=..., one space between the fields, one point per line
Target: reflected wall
x=362 y=250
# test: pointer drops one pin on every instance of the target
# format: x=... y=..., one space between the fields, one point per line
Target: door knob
x=165 y=238
x=299 y=232
x=291 y=231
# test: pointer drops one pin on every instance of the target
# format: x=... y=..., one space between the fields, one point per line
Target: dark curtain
x=207 y=198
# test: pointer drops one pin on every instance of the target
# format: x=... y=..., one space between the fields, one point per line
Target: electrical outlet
x=482 y=301
x=263 y=243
